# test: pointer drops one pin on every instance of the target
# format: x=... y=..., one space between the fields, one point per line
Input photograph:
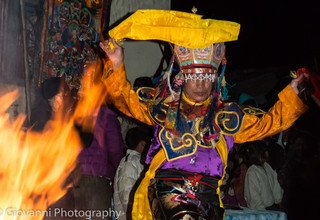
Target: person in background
x=54 y=95
x=89 y=186
x=194 y=129
x=276 y=154
x=127 y=122
x=262 y=190
x=130 y=169
x=234 y=193
x=97 y=164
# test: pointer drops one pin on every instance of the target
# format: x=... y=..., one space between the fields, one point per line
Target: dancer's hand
x=113 y=51
x=301 y=77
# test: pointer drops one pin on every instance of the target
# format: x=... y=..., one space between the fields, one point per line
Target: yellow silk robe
x=280 y=117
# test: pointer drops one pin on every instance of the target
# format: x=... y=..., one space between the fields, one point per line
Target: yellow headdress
x=180 y=28
x=198 y=42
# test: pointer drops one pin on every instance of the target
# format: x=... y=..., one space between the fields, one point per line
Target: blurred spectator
x=261 y=188
x=130 y=169
x=91 y=181
x=276 y=153
x=98 y=163
x=234 y=192
x=55 y=95
x=127 y=122
x=238 y=183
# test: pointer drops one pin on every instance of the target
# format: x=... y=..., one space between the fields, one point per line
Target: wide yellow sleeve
x=124 y=98
x=279 y=118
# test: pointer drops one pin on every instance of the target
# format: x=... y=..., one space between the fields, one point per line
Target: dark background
x=274 y=33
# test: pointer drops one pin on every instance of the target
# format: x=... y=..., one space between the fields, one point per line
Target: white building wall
x=120 y=8
x=142 y=58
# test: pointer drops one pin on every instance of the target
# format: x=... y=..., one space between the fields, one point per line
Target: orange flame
x=93 y=95
x=35 y=165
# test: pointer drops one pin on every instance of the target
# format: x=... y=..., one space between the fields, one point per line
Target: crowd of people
x=186 y=172
x=255 y=181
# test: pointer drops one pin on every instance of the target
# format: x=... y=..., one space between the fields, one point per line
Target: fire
x=35 y=165
x=92 y=94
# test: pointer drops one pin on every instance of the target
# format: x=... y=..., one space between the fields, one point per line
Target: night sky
x=274 y=33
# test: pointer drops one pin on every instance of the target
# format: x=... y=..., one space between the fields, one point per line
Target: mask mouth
x=200 y=76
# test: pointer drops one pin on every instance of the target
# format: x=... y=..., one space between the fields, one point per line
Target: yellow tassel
x=223 y=81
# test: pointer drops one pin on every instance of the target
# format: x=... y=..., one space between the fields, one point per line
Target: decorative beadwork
x=206 y=76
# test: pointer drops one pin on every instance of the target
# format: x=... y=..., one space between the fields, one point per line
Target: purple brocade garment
x=103 y=156
x=155 y=145
x=205 y=160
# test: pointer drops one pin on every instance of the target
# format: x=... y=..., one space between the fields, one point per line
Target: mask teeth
x=201 y=77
